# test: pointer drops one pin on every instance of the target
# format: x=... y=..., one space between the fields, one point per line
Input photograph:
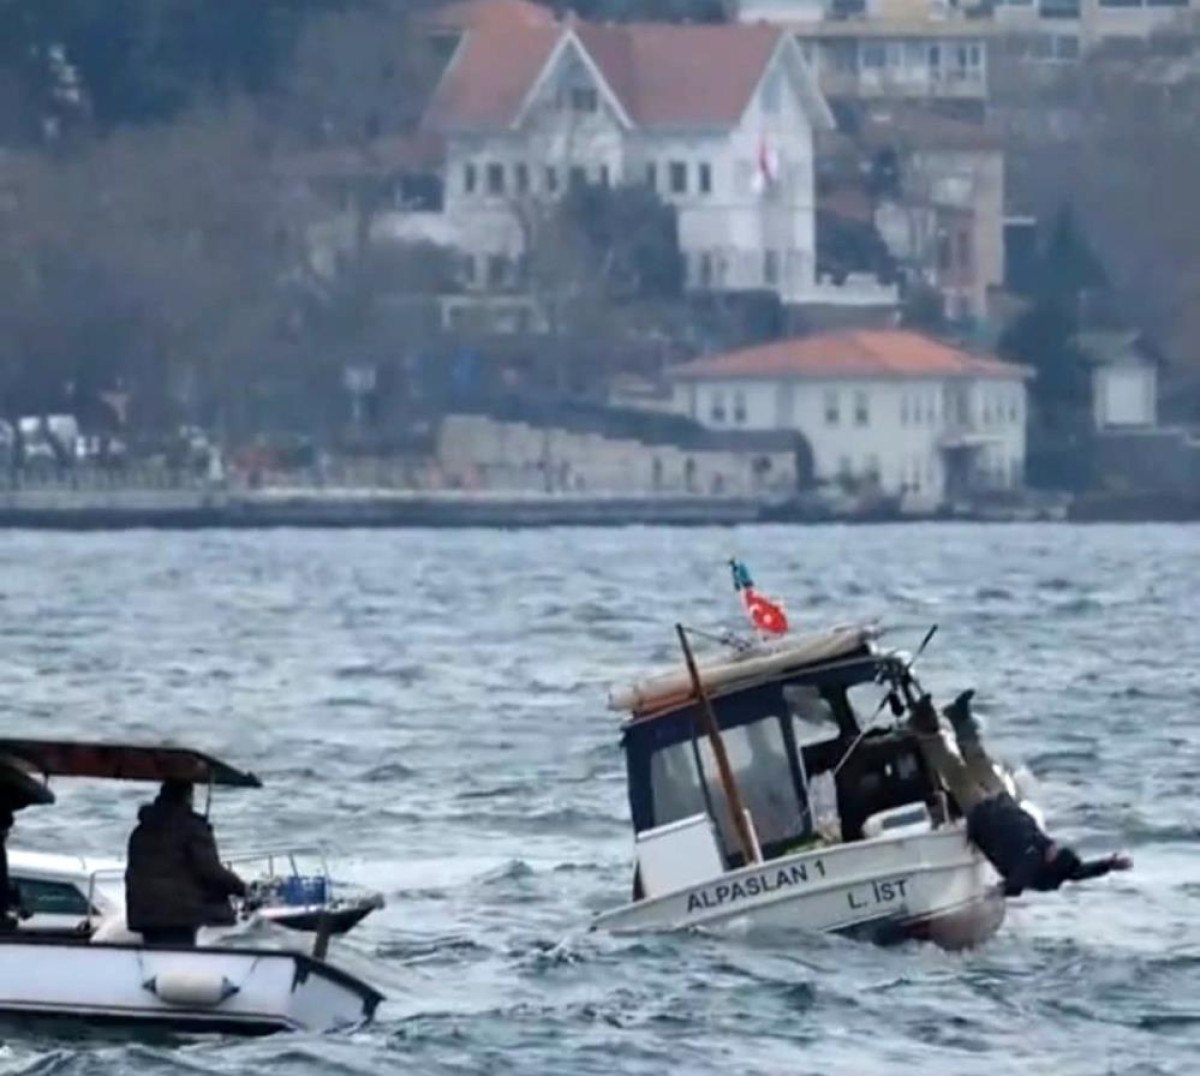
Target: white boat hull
x=932 y=885
x=233 y=991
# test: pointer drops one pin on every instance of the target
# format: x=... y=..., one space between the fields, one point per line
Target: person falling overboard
x=1008 y=835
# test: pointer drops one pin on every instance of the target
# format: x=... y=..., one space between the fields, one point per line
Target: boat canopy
x=740 y=671
x=19 y=787
x=124 y=762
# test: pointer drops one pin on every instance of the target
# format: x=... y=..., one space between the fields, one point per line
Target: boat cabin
x=787 y=719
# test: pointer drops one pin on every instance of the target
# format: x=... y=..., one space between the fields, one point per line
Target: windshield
x=759 y=759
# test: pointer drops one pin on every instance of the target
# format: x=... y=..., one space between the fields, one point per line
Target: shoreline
x=65 y=509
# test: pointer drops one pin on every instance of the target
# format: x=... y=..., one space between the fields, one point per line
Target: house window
x=904 y=410
x=1066 y=47
x=584 y=99
x=470 y=178
x=521 y=178
x=652 y=176
x=772 y=94
x=551 y=180
x=872 y=470
x=578 y=176
x=739 y=408
x=705 y=178
x=861 y=412
x=833 y=412
x=468 y=269
x=964 y=251
x=497 y=270
x=1012 y=409
x=678 y=177
x=945 y=253
x=603 y=176
x=706 y=270
x=771 y=268
x=874 y=57
x=717 y=407
x=495 y=179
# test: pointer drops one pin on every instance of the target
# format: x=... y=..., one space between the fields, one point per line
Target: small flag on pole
x=766 y=615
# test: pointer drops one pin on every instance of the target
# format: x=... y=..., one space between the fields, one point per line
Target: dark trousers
x=171 y=938
x=967 y=773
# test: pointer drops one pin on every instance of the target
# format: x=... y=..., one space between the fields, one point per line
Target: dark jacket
x=1016 y=846
x=174 y=878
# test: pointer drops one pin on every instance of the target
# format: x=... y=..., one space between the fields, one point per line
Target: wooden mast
x=733 y=798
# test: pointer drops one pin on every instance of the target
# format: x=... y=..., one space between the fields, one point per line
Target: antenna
x=900 y=680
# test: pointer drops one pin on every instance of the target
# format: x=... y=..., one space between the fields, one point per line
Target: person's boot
x=923 y=717
x=958 y=713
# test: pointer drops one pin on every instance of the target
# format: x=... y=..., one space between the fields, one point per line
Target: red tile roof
x=491 y=75
x=662 y=74
x=462 y=14
x=877 y=353
x=676 y=75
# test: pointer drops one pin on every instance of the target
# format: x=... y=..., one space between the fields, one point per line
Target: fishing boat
x=116 y=979
x=763 y=794
x=75 y=896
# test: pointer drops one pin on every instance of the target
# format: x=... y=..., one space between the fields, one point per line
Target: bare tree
x=155 y=259
x=1119 y=138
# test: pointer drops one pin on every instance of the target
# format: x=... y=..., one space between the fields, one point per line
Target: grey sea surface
x=431 y=706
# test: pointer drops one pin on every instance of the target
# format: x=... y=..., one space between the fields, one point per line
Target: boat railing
x=277 y=863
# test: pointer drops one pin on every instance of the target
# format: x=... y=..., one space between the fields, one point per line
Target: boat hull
x=930 y=885
x=226 y=990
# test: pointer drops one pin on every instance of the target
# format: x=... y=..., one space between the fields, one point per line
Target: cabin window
x=813 y=719
x=52 y=898
x=758 y=755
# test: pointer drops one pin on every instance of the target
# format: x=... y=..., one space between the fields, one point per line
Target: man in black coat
x=174 y=880
x=10 y=899
x=1007 y=834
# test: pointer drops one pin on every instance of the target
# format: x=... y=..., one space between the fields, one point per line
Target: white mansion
x=918 y=417
x=719 y=120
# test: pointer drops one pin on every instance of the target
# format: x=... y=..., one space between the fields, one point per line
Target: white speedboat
x=71 y=896
x=69 y=968
x=760 y=797
x=229 y=990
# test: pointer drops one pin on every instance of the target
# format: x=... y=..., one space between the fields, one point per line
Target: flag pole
x=733 y=798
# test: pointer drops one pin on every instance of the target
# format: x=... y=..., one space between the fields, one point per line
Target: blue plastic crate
x=301 y=890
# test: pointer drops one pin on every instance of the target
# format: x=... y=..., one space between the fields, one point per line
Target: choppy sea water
x=431 y=706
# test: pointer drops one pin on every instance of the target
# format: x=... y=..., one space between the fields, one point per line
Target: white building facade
x=719 y=120
x=907 y=414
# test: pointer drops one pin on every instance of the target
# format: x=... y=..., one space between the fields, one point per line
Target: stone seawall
x=183 y=509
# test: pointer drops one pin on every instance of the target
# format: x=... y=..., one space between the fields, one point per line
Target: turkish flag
x=764 y=613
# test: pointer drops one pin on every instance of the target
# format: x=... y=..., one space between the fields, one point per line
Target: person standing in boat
x=10 y=898
x=174 y=880
x=1008 y=835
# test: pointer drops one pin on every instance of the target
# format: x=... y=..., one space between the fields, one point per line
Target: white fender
x=193 y=989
